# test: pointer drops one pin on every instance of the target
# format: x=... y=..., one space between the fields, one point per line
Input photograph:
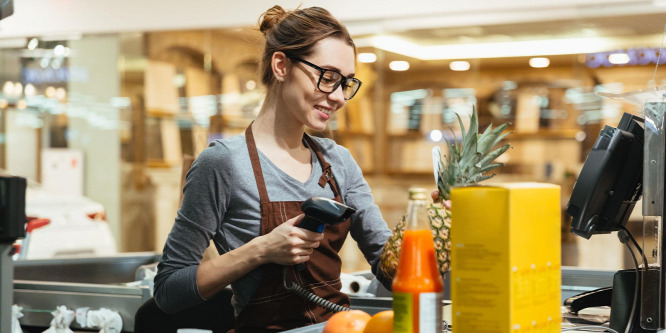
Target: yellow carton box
x=505 y=273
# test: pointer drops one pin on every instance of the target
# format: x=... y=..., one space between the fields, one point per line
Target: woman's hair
x=295 y=33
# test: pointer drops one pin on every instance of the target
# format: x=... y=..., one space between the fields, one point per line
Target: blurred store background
x=102 y=101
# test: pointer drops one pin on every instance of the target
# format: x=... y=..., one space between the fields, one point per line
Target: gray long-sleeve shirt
x=221 y=202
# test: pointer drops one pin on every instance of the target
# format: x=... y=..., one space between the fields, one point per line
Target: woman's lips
x=323 y=112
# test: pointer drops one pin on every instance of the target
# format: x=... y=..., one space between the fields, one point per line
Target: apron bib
x=273 y=308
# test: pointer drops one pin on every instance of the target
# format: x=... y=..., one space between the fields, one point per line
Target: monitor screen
x=6 y=8
x=610 y=182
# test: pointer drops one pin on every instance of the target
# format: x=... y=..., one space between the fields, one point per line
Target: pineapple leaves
x=470 y=157
x=490 y=167
x=463 y=135
x=481 y=178
x=493 y=155
x=492 y=137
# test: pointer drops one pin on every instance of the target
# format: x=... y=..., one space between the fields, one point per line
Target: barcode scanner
x=321 y=211
x=318 y=212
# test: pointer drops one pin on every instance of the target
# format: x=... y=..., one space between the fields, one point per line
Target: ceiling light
x=60 y=37
x=55 y=64
x=32 y=44
x=18 y=89
x=399 y=65
x=50 y=92
x=435 y=135
x=491 y=50
x=61 y=94
x=367 y=57
x=12 y=43
x=29 y=89
x=8 y=88
x=539 y=62
x=44 y=62
x=618 y=58
x=59 y=50
x=459 y=66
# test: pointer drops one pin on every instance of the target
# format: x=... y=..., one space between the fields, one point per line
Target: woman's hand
x=436 y=199
x=290 y=245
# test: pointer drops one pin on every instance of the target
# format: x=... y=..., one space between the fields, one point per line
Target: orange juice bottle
x=417 y=285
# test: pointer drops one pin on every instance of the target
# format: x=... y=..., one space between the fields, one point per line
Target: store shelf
x=159 y=113
x=562 y=134
x=160 y=164
x=407 y=135
x=355 y=134
x=414 y=173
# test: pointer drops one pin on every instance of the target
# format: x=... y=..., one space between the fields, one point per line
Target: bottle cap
x=417 y=193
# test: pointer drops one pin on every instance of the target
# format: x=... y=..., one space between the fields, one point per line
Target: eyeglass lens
x=330 y=80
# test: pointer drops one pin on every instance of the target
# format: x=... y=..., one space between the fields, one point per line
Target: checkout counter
x=103 y=282
x=574 y=281
x=100 y=282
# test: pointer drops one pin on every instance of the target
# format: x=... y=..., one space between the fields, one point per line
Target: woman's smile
x=323 y=112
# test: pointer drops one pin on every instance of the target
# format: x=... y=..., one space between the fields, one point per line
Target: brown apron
x=272 y=307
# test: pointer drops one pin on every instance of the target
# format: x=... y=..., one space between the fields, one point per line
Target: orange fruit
x=381 y=322
x=347 y=322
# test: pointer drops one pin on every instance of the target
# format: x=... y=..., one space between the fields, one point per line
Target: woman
x=245 y=192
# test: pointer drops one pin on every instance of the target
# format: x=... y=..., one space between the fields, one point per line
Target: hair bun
x=271 y=18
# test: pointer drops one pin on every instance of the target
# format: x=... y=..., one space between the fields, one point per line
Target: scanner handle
x=311 y=224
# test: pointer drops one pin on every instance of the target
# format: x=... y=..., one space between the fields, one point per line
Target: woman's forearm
x=215 y=274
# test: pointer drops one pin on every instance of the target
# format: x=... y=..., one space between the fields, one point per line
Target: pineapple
x=467 y=163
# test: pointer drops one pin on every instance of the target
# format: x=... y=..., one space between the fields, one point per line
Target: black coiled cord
x=309 y=296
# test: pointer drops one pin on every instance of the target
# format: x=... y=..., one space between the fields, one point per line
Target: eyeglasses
x=329 y=80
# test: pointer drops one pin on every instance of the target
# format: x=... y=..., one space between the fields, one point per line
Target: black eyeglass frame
x=343 y=79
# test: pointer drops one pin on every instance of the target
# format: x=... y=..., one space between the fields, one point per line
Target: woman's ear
x=280 y=65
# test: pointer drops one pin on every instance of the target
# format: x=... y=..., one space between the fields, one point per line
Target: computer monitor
x=6 y=8
x=12 y=208
x=610 y=182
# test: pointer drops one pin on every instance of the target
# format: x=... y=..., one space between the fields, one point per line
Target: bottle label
x=430 y=312
x=403 y=313
x=429 y=315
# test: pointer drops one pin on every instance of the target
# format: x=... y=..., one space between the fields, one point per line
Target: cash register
x=12 y=227
x=625 y=163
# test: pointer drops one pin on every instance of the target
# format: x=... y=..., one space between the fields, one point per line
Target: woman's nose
x=338 y=96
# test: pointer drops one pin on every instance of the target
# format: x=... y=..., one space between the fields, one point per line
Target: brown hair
x=295 y=33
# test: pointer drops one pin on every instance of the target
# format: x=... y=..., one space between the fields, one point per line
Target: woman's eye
x=330 y=77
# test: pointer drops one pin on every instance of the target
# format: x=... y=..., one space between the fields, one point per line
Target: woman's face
x=304 y=101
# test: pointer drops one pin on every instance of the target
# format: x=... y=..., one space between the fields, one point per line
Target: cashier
x=245 y=192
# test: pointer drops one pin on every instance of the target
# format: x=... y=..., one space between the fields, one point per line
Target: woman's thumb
x=295 y=220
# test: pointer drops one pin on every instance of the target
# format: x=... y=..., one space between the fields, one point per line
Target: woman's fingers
x=302 y=251
x=289 y=245
x=310 y=245
x=295 y=220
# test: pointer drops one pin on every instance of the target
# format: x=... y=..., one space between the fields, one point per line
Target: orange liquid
x=418 y=271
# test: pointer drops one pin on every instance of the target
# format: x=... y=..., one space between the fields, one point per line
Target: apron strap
x=326 y=173
x=256 y=166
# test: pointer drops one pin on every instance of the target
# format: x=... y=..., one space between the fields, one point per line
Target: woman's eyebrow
x=331 y=67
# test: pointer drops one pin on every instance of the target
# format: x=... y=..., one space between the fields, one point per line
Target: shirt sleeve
x=204 y=204
x=368 y=228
